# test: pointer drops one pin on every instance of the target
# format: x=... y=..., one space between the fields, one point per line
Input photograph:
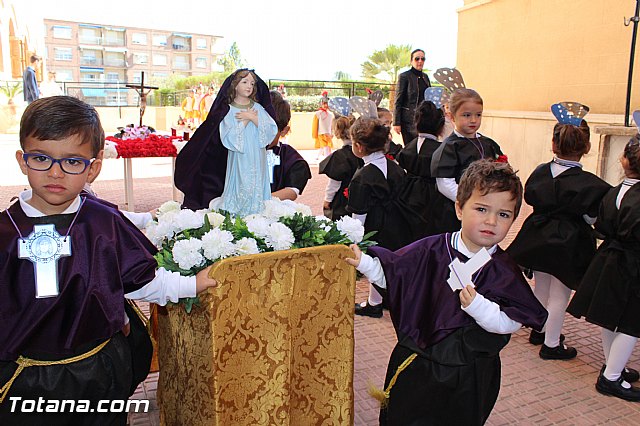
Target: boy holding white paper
x=454 y=300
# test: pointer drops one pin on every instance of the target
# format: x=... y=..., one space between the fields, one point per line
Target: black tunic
x=555 y=238
x=450 y=160
x=293 y=170
x=420 y=191
x=395 y=222
x=609 y=294
x=341 y=165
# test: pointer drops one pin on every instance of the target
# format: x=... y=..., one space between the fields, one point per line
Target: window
x=62 y=32
x=64 y=75
x=138 y=38
x=91 y=76
x=140 y=58
x=160 y=75
x=137 y=77
x=113 y=77
x=201 y=62
x=159 y=40
x=159 y=59
x=89 y=36
x=62 y=53
x=201 y=43
x=180 y=62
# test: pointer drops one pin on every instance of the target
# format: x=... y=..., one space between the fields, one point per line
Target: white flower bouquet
x=189 y=241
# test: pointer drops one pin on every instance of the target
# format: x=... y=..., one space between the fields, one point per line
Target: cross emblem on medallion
x=43 y=247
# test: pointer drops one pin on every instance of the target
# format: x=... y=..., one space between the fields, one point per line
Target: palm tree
x=11 y=91
x=387 y=62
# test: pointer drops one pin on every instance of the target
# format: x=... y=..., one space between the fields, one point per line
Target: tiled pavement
x=534 y=392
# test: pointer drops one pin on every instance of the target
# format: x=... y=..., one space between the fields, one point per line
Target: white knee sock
x=607 y=340
x=375 y=298
x=557 y=304
x=621 y=349
x=541 y=289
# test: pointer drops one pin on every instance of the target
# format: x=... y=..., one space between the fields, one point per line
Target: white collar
x=373 y=157
x=566 y=163
x=630 y=181
x=460 y=135
x=459 y=245
x=31 y=211
x=427 y=136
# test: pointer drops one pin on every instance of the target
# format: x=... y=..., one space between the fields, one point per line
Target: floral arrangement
x=151 y=146
x=189 y=241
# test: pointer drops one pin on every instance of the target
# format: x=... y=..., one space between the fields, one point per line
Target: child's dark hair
x=570 y=140
x=429 y=118
x=370 y=133
x=283 y=109
x=489 y=176
x=58 y=117
x=381 y=110
x=460 y=96
x=632 y=154
x=240 y=74
x=341 y=127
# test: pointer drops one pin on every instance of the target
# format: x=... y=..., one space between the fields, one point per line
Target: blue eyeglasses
x=42 y=163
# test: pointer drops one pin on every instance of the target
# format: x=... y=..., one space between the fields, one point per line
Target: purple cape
x=110 y=257
x=423 y=306
x=201 y=166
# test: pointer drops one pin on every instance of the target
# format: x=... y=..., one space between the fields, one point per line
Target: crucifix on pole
x=140 y=90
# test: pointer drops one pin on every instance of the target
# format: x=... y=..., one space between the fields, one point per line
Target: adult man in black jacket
x=409 y=93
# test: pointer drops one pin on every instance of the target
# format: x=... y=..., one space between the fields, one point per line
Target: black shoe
x=374 y=311
x=559 y=352
x=537 y=338
x=615 y=388
x=628 y=374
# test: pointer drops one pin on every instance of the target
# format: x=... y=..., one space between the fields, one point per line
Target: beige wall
x=524 y=55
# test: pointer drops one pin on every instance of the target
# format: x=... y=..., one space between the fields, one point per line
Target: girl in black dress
x=415 y=158
x=609 y=294
x=464 y=146
x=374 y=198
x=339 y=166
x=557 y=241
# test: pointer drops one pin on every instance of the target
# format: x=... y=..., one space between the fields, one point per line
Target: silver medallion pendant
x=273 y=160
x=43 y=247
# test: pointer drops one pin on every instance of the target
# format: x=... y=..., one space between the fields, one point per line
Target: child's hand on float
x=467 y=294
x=203 y=281
x=358 y=255
x=326 y=205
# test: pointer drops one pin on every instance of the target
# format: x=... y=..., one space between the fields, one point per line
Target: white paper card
x=460 y=273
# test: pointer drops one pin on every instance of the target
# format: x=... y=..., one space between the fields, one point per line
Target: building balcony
x=118 y=63
x=90 y=61
x=90 y=40
x=181 y=47
x=109 y=41
x=181 y=66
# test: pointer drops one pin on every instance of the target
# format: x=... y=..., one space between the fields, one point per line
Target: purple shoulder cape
x=201 y=165
x=424 y=307
x=109 y=258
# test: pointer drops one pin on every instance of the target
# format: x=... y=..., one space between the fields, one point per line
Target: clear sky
x=286 y=39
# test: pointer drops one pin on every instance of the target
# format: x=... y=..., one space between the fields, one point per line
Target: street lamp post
x=627 y=22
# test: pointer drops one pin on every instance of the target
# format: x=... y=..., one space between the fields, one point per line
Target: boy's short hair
x=489 y=176
x=282 y=108
x=34 y=58
x=58 y=117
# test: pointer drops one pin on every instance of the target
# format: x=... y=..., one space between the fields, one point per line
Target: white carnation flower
x=167 y=225
x=275 y=209
x=303 y=209
x=186 y=253
x=169 y=206
x=188 y=219
x=351 y=227
x=218 y=244
x=258 y=225
x=215 y=219
x=247 y=246
x=151 y=231
x=279 y=237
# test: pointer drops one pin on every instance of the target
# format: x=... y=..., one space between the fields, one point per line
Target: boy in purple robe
x=445 y=368
x=67 y=263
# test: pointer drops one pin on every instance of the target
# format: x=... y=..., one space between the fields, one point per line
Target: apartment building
x=103 y=58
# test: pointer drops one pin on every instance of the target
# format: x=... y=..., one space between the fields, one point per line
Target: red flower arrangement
x=502 y=159
x=346 y=192
x=151 y=146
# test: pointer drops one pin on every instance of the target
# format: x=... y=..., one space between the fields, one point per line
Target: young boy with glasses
x=67 y=263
